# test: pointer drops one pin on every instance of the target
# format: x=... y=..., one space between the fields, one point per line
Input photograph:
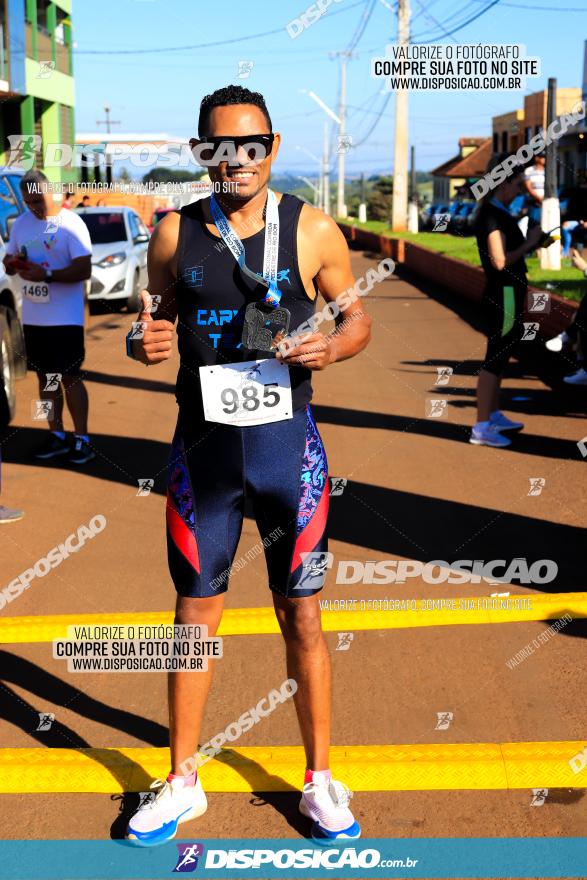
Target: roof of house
x=472 y=165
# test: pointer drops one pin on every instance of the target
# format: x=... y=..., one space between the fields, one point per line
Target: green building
x=36 y=78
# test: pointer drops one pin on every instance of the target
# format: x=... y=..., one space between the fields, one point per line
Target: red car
x=158 y=215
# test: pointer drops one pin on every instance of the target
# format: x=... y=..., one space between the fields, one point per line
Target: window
x=496 y=142
x=133 y=222
x=105 y=227
x=8 y=207
x=504 y=141
x=42 y=16
x=14 y=181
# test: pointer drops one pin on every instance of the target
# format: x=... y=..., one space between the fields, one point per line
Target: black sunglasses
x=257 y=147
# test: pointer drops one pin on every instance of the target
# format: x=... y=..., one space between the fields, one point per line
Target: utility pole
x=362 y=203
x=413 y=206
x=399 y=210
x=326 y=172
x=341 y=208
x=550 y=257
x=107 y=122
x=326 y=155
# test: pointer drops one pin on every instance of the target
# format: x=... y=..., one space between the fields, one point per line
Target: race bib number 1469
x=36 y=292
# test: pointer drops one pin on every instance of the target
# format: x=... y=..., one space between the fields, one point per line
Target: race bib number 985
x=251 y=393
x=36 y=292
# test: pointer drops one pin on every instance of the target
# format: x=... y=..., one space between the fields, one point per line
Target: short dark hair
x=34 y=181
x=85 y=197
x=226 y=96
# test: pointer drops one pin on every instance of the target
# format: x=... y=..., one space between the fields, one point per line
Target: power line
x=481 y=12
x=545 y=8
x=375 y=122
x=201 y=45
x=453 y=18
x=360 y=30
x=435 y=20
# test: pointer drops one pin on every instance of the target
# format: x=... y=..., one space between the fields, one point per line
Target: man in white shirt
x=534 y=185
x=50 y=250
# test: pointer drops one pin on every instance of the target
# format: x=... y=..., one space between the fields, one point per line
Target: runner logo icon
x=188 y=855
x=314 y=567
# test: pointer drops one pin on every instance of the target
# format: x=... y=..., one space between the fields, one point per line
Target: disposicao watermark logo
x=526 y=152
x=438 y=571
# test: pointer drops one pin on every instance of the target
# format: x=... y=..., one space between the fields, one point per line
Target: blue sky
x=160 y=90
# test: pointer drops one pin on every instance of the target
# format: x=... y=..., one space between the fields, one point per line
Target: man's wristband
x=129 y=350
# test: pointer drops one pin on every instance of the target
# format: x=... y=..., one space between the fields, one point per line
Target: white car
x=12 y=349
x=119 y=256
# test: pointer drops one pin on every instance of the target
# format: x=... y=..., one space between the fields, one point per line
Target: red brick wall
x=460 y=277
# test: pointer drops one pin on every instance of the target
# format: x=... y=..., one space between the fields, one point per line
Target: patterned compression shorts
x=281 y=468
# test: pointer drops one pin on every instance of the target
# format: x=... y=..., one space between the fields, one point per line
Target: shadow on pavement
x=284 y=801
x=376 y=517
x=25 y=674
x=129 y=382
x=528 y=444
x=418 y=527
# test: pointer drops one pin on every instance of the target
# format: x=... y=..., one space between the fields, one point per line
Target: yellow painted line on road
x=363 y=768
x=259 y=621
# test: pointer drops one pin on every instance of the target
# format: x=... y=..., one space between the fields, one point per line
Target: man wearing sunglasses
x=240 y=271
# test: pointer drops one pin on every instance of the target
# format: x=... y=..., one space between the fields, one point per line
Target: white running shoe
x=502 y=423
x=558 y=342
x=488 y=435
x=327 y=803
x=578 y=378
x=170 y=804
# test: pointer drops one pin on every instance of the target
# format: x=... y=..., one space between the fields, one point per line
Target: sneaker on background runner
x=81 y=451
x=169 y=804
x=502 y=423
x=557 y=343
x=578 y=378
x=486 y=434
x=326 y=802
x=7 y=514
x=52 y=446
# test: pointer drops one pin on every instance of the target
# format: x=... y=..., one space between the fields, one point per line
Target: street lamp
x=326 y=159
x=319 y=189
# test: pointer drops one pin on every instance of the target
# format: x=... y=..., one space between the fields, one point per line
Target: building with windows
x=36 y=78
x=467 y=166
x=511 y=130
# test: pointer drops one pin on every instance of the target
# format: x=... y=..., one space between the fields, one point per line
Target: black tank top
x=212 y=295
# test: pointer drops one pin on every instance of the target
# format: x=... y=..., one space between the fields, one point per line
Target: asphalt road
x=416 y=490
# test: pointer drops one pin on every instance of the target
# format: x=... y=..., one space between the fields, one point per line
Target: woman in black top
x=502 y=248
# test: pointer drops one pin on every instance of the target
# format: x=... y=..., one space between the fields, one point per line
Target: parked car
x=158 y=215
x=119 y=256
x=12 y=349
x=462 y=218
x=427 y=215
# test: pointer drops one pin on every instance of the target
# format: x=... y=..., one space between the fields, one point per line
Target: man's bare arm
x=352 y=326
x=78 y=270
x=156 y=343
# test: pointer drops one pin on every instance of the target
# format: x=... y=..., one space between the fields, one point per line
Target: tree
x=170 y=175
x=379 y=199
